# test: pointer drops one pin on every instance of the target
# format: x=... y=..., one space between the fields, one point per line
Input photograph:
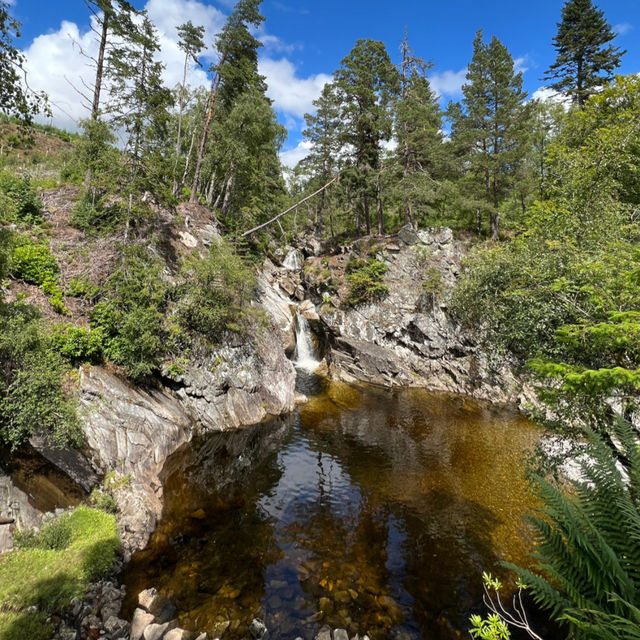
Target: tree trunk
x=227 y=191
x=179 y=136
x=367 y=216
x=186 y=164
x=379 y=207
x=495 y=224
x=212 y=183
x=215 y=83
x=97 y=87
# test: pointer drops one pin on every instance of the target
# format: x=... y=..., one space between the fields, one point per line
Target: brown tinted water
x=371 y=509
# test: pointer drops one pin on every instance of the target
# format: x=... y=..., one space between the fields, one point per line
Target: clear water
x=371 y=509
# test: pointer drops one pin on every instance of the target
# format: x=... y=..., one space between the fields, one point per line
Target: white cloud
x=545 y=94
x=291 y=157
x=54 y=62
x=448 y=83
x=291 y=94
x=520 y=64
x=623 y=28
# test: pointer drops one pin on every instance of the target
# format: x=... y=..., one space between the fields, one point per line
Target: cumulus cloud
x=55 y=63
x=290 y=93
x=448 y=83
x=546 y=94
x=291 y=157
x=58 y=61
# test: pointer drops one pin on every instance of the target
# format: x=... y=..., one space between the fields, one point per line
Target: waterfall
x=305 y=357
x=293 y=261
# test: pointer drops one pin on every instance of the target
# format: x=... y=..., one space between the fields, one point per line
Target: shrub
x=131 y=315
x=365 y=281
x=33 y=262
x=31 y=381
x=19 y=201
x=78 y=344
x=55 y=535
x=81 y=287
x=217 y=292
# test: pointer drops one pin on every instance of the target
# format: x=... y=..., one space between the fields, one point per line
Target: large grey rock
x=156 y=631
x=140 y=621
x=180 y=634
x=407 y=338
x=134 y=430
x=340 y=634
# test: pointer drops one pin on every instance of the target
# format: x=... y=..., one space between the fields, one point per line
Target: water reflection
x=369 y=509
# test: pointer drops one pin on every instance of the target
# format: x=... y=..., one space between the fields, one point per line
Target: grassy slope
x=86 y=545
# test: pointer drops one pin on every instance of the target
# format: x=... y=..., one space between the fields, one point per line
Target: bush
x=55 y=535
x=131 y=315
x=78 y=344
x=33 y=263
x=81 y=287
x=19 y=201
x=32 y=378
x=217 y=292
x=365 y=281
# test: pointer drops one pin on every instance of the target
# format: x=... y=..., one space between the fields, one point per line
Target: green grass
x=54 y=566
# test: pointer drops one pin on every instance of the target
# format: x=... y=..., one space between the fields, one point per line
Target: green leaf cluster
x=589 y=542
x=365 y=281
x=19 y=201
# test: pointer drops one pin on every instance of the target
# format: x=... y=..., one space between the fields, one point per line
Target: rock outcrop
x=406 y=338
x=133 y=430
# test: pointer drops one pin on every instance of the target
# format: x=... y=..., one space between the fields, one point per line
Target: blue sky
x=305 y=41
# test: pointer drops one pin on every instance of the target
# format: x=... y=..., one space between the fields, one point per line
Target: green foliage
x=15 y=99
x=33 y=262
x=130 y=317
x=96 y=215
x=81 y=287
x=365 y=279
x=77 y=344
x=217 y=292
x=19 y=201
x=490 y=628
x=488 y=129
x=589 y=542
x=103 y=501
x=55 y=566
x=32 y=399
x=55 y=535
x=583 y=62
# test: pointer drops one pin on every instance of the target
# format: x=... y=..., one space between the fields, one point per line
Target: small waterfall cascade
x=293 y=261
x=305 y=356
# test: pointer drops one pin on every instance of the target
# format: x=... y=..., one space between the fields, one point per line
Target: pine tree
x=190 y=40
x=235 y=72
x=489 y=125
x=583 y=61
x=139 y=104
x=15 y=98
x=323 y=132
x=367 y=83
x=418 y=124
x=115 y=21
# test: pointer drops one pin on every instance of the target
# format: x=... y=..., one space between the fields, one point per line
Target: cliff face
x=134 y=430
x=405 y=338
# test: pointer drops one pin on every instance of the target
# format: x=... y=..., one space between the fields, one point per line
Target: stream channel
x=375 y=510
